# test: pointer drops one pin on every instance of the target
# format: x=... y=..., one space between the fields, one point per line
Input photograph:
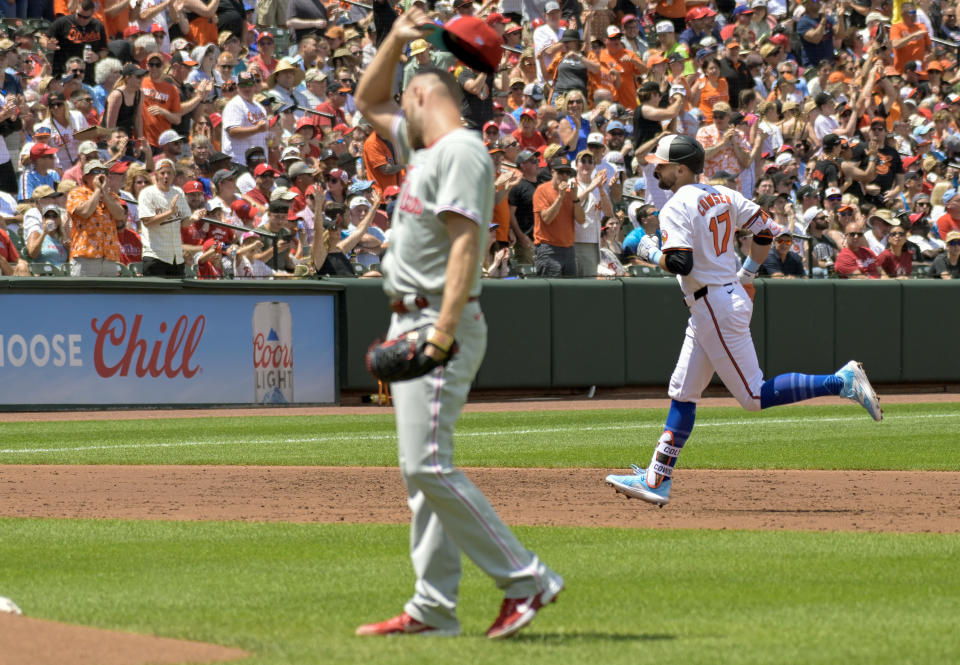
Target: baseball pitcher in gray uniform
x=432 y=276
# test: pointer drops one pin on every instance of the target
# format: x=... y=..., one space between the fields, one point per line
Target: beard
x=663 y=181
x=415 y=133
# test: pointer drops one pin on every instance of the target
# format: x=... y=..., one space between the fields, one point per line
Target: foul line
x=486 y=433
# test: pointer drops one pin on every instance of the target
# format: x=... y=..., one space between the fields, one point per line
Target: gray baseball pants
x=450 y=515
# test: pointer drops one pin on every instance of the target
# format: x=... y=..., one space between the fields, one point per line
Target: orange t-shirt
x=203 y=31
x=710 y=95
x=164 y=95
x=376 y=153
x=915 y=50
x=675 y=9
x=93 y=237
x=630 y=67
x=117 y=22
x=559 y=232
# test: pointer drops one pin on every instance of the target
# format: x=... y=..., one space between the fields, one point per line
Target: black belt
x=702 y=291
x=420 y=302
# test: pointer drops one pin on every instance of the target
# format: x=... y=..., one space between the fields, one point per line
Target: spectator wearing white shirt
x=592 y=193
x=244 y=121
x=63 y=124
x=825 y=122
x=546 y=38
x=160 y=205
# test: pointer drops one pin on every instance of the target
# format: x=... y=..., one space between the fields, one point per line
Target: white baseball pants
x=718 y=340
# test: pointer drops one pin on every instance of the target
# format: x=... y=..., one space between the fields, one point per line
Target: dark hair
x=88 y=5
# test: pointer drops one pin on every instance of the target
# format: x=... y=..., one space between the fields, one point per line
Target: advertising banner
x=117 y=348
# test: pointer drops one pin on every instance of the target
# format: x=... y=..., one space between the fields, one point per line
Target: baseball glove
x=403 y=358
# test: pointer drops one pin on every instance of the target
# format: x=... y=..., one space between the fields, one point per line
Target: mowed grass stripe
x=834 y=437
x=293 y=593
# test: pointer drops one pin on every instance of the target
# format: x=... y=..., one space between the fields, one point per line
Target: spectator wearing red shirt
x=209 y=262
x=131 y=247
x=10 y=261
x=897 y=259
x=950 y=220
x=528 y=136
x=856 y=260
x=259 y=196
x=336 y=99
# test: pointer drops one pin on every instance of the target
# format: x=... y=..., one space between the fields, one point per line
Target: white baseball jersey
x=703 y=219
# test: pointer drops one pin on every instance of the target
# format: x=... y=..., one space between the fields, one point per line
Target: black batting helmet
x=679 y=149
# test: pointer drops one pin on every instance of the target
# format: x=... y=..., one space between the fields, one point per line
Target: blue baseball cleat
x=856 y=386
x=636 y=486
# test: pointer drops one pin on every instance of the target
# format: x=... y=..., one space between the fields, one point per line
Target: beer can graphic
x=272 y=353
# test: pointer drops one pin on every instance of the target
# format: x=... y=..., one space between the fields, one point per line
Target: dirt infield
x=28 y=641
x=703 y=499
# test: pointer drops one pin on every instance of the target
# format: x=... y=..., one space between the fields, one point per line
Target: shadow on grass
x=559 y=638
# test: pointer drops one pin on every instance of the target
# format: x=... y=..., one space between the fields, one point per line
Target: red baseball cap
x=529 y=113
x=780 y=40
x=497 y=17
x=120 y=167
x=627 y=18
x=132 y=31
x=155 y=28
x=391 y=190
x=192 y=187
x=305 y=122
x=491 y=125
x=265 y=169
x=342 y=128
x=474 y=42
x=42 y=150
x=215 y=119
x=242 y=209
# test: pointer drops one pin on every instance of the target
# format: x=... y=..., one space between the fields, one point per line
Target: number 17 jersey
x=703 y=219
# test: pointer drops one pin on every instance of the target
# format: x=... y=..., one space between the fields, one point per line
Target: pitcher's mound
x=28 y=641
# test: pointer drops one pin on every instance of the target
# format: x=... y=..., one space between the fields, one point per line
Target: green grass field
x=292 y=593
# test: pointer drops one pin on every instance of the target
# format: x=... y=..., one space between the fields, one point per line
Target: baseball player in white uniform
x=698 y=226
x=432 y=276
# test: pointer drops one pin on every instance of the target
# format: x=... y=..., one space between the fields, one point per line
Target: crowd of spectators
x=220 y=139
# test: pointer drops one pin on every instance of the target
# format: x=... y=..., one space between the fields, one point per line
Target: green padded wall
x=931 y=321
x=868 y=318
x=519 y=345
x=587 y=335
x=655 y=319
x=799 y=325
x=365 y=317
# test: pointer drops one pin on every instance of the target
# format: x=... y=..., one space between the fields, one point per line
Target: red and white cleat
x=404 y=624
x=515 y=613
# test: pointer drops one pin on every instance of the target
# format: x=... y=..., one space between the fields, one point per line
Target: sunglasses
x=153 y=64
x=77 y=71
x=846 y=213
x=953 y=243
x=574 y=101
x=229 y=87
x=333 y=179
x=586 y=162
x=56 y=105
x=833 y=198
x=246 y=84
x=896 y=233
x=204 y=122
x=98 y=172
x=509 y=145
x=225 y=66
x=855 y=234
x=785 y=241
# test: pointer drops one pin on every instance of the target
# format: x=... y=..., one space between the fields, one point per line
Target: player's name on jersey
x=707 y=201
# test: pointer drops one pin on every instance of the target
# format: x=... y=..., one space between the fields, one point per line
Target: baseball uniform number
x=715 y=222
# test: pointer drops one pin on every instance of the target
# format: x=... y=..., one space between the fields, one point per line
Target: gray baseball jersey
x=451 y=516
x=454 y=174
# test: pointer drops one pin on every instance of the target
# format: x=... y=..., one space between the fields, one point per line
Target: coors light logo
x=272 y=353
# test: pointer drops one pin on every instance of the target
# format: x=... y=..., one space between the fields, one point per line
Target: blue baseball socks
x=790 y=388
x=679 y=424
